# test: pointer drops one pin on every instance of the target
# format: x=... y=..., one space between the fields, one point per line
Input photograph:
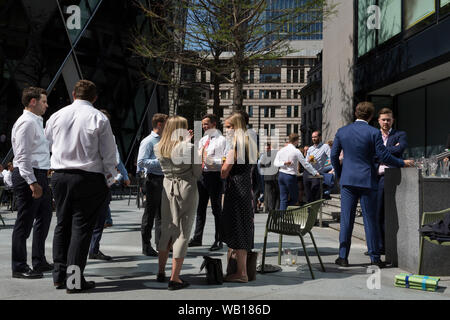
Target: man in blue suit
x=396 y=142
x=358 y=179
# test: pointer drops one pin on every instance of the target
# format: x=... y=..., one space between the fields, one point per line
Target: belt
x=78 y=171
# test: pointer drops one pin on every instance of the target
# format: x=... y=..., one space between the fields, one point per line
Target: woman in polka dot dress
x=237 y=216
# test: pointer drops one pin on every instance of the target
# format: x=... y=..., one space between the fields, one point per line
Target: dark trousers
x=33 y=214
x=209 y=187
x=349 y=201
x=288 y=190
x=271 y=195
x=99 y=226
x=152 y=211
x=311 y=186
x=380 y=210
x=80 y=198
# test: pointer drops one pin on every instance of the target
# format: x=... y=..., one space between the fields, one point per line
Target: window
x=302 y=75
x=288 y=94
x=203 y=76
x=445 y=7
x=366 y=36
x=270 y=78
x=272 y=129
x=417 y=11
x=288 y=77
x=266 y=112
x=252 y=76
x=296 y=94
x=391 y=13
x=295 y=76
x=250 y=111
x=295 y=128
x=289 y=111
x=295 y=111
x=244 y=93
x=266 y=129
x=272 y=112
x=288 y=129
x=251 y=94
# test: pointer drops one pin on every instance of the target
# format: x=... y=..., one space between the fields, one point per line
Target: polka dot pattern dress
x=237 y=215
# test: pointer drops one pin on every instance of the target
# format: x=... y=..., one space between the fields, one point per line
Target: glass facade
x=391 y=17
x=311 y=31
x=396 y=16
x=417 y=11
x=52 y=45
x=366 y=36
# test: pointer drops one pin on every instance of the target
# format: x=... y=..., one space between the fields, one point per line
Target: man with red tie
x=212 y=149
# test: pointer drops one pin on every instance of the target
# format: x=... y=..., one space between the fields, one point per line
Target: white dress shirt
x=321 y=154
x=215 y=151
x=31 y=148
x=383 y=167
x=81 y=138
x=7 y=178
x=292 y=154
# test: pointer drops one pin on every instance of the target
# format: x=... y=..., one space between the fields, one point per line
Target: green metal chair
x=295 y=221
x=427 y=218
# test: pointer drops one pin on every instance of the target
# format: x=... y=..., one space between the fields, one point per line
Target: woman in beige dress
x=179 y=197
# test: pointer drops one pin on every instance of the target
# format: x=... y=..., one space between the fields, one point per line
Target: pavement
x=132 y=276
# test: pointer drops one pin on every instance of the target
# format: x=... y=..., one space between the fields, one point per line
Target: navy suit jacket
x=396 y=137
x=361 y=143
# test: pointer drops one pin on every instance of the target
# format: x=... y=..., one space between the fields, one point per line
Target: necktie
x=205 y=153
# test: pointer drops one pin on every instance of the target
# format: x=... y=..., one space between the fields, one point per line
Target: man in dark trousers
x=153 y=185
x=270 y=175
x=84 y=163
x=358 y=179
x=395 y=142
x=30 y=184
x=212 y=149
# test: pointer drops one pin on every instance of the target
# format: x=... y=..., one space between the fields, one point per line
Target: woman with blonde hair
x=179 y=197
x=238 y=211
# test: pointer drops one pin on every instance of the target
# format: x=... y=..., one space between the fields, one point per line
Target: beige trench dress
x=179 y=202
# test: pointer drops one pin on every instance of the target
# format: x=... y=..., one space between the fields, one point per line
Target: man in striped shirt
x=317 y=156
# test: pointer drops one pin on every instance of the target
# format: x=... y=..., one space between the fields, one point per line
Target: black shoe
x=382 y=253
x=193 y=243
x=44 y=267
x=99 y=256
x=149 y=251
x=173 y=285
x=59 y=285
x=380 y=264
x=27 y=274
x=216 y=246
x=161 y=277
x=87 y=285
x=341 y=262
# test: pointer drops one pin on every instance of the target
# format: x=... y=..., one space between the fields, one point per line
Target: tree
x=246 y=31
x=192 y=104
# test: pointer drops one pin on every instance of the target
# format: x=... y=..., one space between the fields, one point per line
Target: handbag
x=214 y=274
x=252 y=258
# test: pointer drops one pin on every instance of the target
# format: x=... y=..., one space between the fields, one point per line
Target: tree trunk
x=238 y=97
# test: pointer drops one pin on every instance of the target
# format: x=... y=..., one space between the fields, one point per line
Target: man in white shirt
x=212 y=149
x=287 y=159
x=7 y=175
x=83 y=154
x=317 y=155
x=29 y=179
